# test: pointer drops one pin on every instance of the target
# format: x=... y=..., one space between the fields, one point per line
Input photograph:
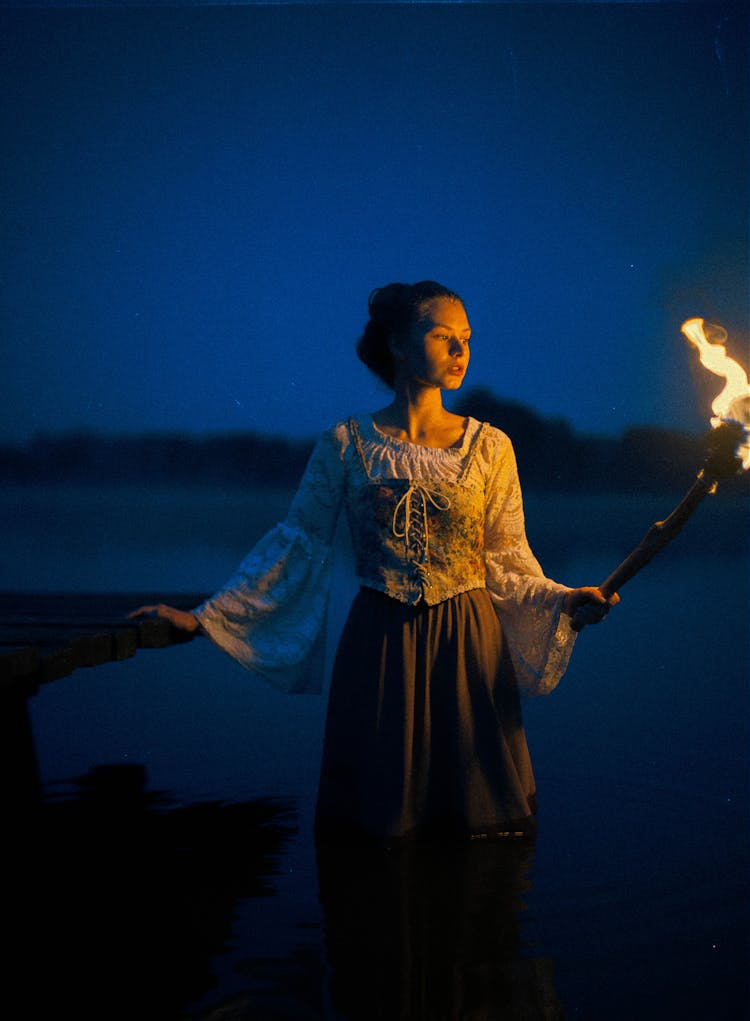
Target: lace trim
x=388 y=457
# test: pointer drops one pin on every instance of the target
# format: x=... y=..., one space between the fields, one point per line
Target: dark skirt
x=424 y=736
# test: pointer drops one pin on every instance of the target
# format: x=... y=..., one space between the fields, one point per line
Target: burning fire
x=733 y=403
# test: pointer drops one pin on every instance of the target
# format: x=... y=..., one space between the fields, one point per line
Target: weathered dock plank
x=47 y=635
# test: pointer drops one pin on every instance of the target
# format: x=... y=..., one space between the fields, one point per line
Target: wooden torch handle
x=658 y=536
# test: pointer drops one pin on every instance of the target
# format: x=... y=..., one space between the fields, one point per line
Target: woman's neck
x=418 y=416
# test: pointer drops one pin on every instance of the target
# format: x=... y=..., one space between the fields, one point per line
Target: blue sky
x=197 y=202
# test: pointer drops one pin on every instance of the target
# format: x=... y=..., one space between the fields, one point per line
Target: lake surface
x=180 y=796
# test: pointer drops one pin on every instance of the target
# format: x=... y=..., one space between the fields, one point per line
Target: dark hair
x=394 y=309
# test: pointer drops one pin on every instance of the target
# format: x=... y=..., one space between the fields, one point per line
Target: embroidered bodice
x=415 y=538
x=426 y=524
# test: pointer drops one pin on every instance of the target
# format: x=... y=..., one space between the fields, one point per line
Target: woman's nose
x=456 y=347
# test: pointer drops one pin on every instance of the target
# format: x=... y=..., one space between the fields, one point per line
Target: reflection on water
x=118 y=902
x=420 y=933
x=431 y=932
x=122 y=903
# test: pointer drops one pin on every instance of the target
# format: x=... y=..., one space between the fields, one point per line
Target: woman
x=454 y=618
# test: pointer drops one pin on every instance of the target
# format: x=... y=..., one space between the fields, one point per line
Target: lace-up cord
x=413 y=507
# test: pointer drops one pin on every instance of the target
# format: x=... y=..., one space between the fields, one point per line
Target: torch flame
x=733 y=403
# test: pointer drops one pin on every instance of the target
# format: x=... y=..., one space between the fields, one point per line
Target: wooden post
x=20 y=791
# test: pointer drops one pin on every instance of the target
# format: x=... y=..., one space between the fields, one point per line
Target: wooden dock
x=46 y=636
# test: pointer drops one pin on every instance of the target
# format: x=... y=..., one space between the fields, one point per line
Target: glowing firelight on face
x=733 y=403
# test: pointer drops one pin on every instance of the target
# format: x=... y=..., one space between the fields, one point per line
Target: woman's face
x=436 y=353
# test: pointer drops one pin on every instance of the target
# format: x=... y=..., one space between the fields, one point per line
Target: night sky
x=197 y=201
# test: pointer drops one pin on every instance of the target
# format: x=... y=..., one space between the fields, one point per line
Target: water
x=632 y=903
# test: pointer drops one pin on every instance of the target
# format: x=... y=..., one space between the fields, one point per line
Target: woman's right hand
x=182 y=619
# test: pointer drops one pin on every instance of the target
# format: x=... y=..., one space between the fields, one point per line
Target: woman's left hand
x=587 y=606
x=181 y=619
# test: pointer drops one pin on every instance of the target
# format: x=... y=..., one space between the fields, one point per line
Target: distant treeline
x=551 y=456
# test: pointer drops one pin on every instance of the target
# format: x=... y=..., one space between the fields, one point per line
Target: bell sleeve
x=527 y=603
x=270 y=615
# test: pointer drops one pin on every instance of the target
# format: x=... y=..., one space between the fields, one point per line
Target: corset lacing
x=414 y=530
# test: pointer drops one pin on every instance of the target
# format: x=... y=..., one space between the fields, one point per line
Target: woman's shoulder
x=348 y=430
x=489 y=436
x=337 y=438
x=338 y=430
x=493 y=455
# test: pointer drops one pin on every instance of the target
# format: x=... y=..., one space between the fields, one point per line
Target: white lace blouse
x=270 y=615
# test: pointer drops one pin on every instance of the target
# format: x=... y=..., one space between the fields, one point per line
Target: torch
x=728 y=452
